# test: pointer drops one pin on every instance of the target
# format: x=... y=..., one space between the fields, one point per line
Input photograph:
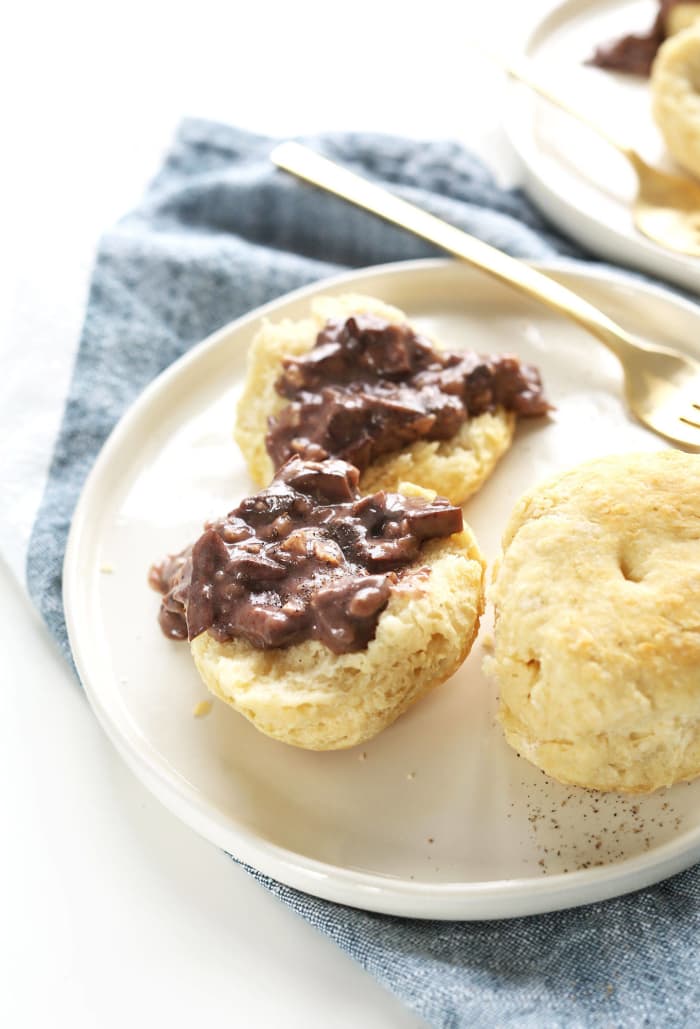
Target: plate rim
x=596 y=234
x=448 y=901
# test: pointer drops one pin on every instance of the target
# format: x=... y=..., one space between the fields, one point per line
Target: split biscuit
x=306 y=696
x=454 y=468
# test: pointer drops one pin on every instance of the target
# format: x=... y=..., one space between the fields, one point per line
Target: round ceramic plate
x=576 y=178
x=436 y=817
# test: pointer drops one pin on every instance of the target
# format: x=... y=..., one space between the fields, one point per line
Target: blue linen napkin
x=219 y=232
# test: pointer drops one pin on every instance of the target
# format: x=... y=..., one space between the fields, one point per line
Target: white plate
x=436 y=817
x=576 y=178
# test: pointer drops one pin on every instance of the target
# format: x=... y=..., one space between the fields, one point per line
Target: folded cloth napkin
x=218 y=233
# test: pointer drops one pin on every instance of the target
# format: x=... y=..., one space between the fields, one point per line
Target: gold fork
x=666 y=207
x=662 y=386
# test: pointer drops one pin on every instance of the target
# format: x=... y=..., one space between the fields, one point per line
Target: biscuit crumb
x=362 y=756
x=488 y=641
x=106 y=568
x=431 y=839
x=202 y=709
x=411 y=775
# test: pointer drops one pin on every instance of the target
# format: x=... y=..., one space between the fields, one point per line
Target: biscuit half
x=597 y=638
x=453 y=468
x=307 y=696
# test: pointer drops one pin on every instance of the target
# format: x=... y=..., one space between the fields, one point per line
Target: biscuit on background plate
x=675 y=93
x=597 y=636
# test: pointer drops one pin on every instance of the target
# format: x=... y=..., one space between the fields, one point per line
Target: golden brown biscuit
x=675 y=91
x=309 y=697
x=681 y=16
x=454 y=468
x=597 y=641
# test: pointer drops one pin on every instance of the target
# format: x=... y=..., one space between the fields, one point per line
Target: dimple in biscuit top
x=369 y=387
x=306 y=558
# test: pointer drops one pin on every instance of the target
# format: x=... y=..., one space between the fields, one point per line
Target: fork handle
x=521 y=71
x=311 y=166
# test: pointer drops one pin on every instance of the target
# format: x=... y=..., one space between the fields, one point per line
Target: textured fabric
x=629 y=962
x=218 y=233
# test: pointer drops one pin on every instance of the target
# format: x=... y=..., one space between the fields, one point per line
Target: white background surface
x=112 y=912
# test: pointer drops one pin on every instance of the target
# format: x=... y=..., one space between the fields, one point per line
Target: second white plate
x=436 y=817
x=576 y=178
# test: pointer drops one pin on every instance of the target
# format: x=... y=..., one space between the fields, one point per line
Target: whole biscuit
x=307 y=696
x=453 y=468
x=597 y=639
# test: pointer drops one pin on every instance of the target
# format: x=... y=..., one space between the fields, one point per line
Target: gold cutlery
x=662 y=386
x=666 y=207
